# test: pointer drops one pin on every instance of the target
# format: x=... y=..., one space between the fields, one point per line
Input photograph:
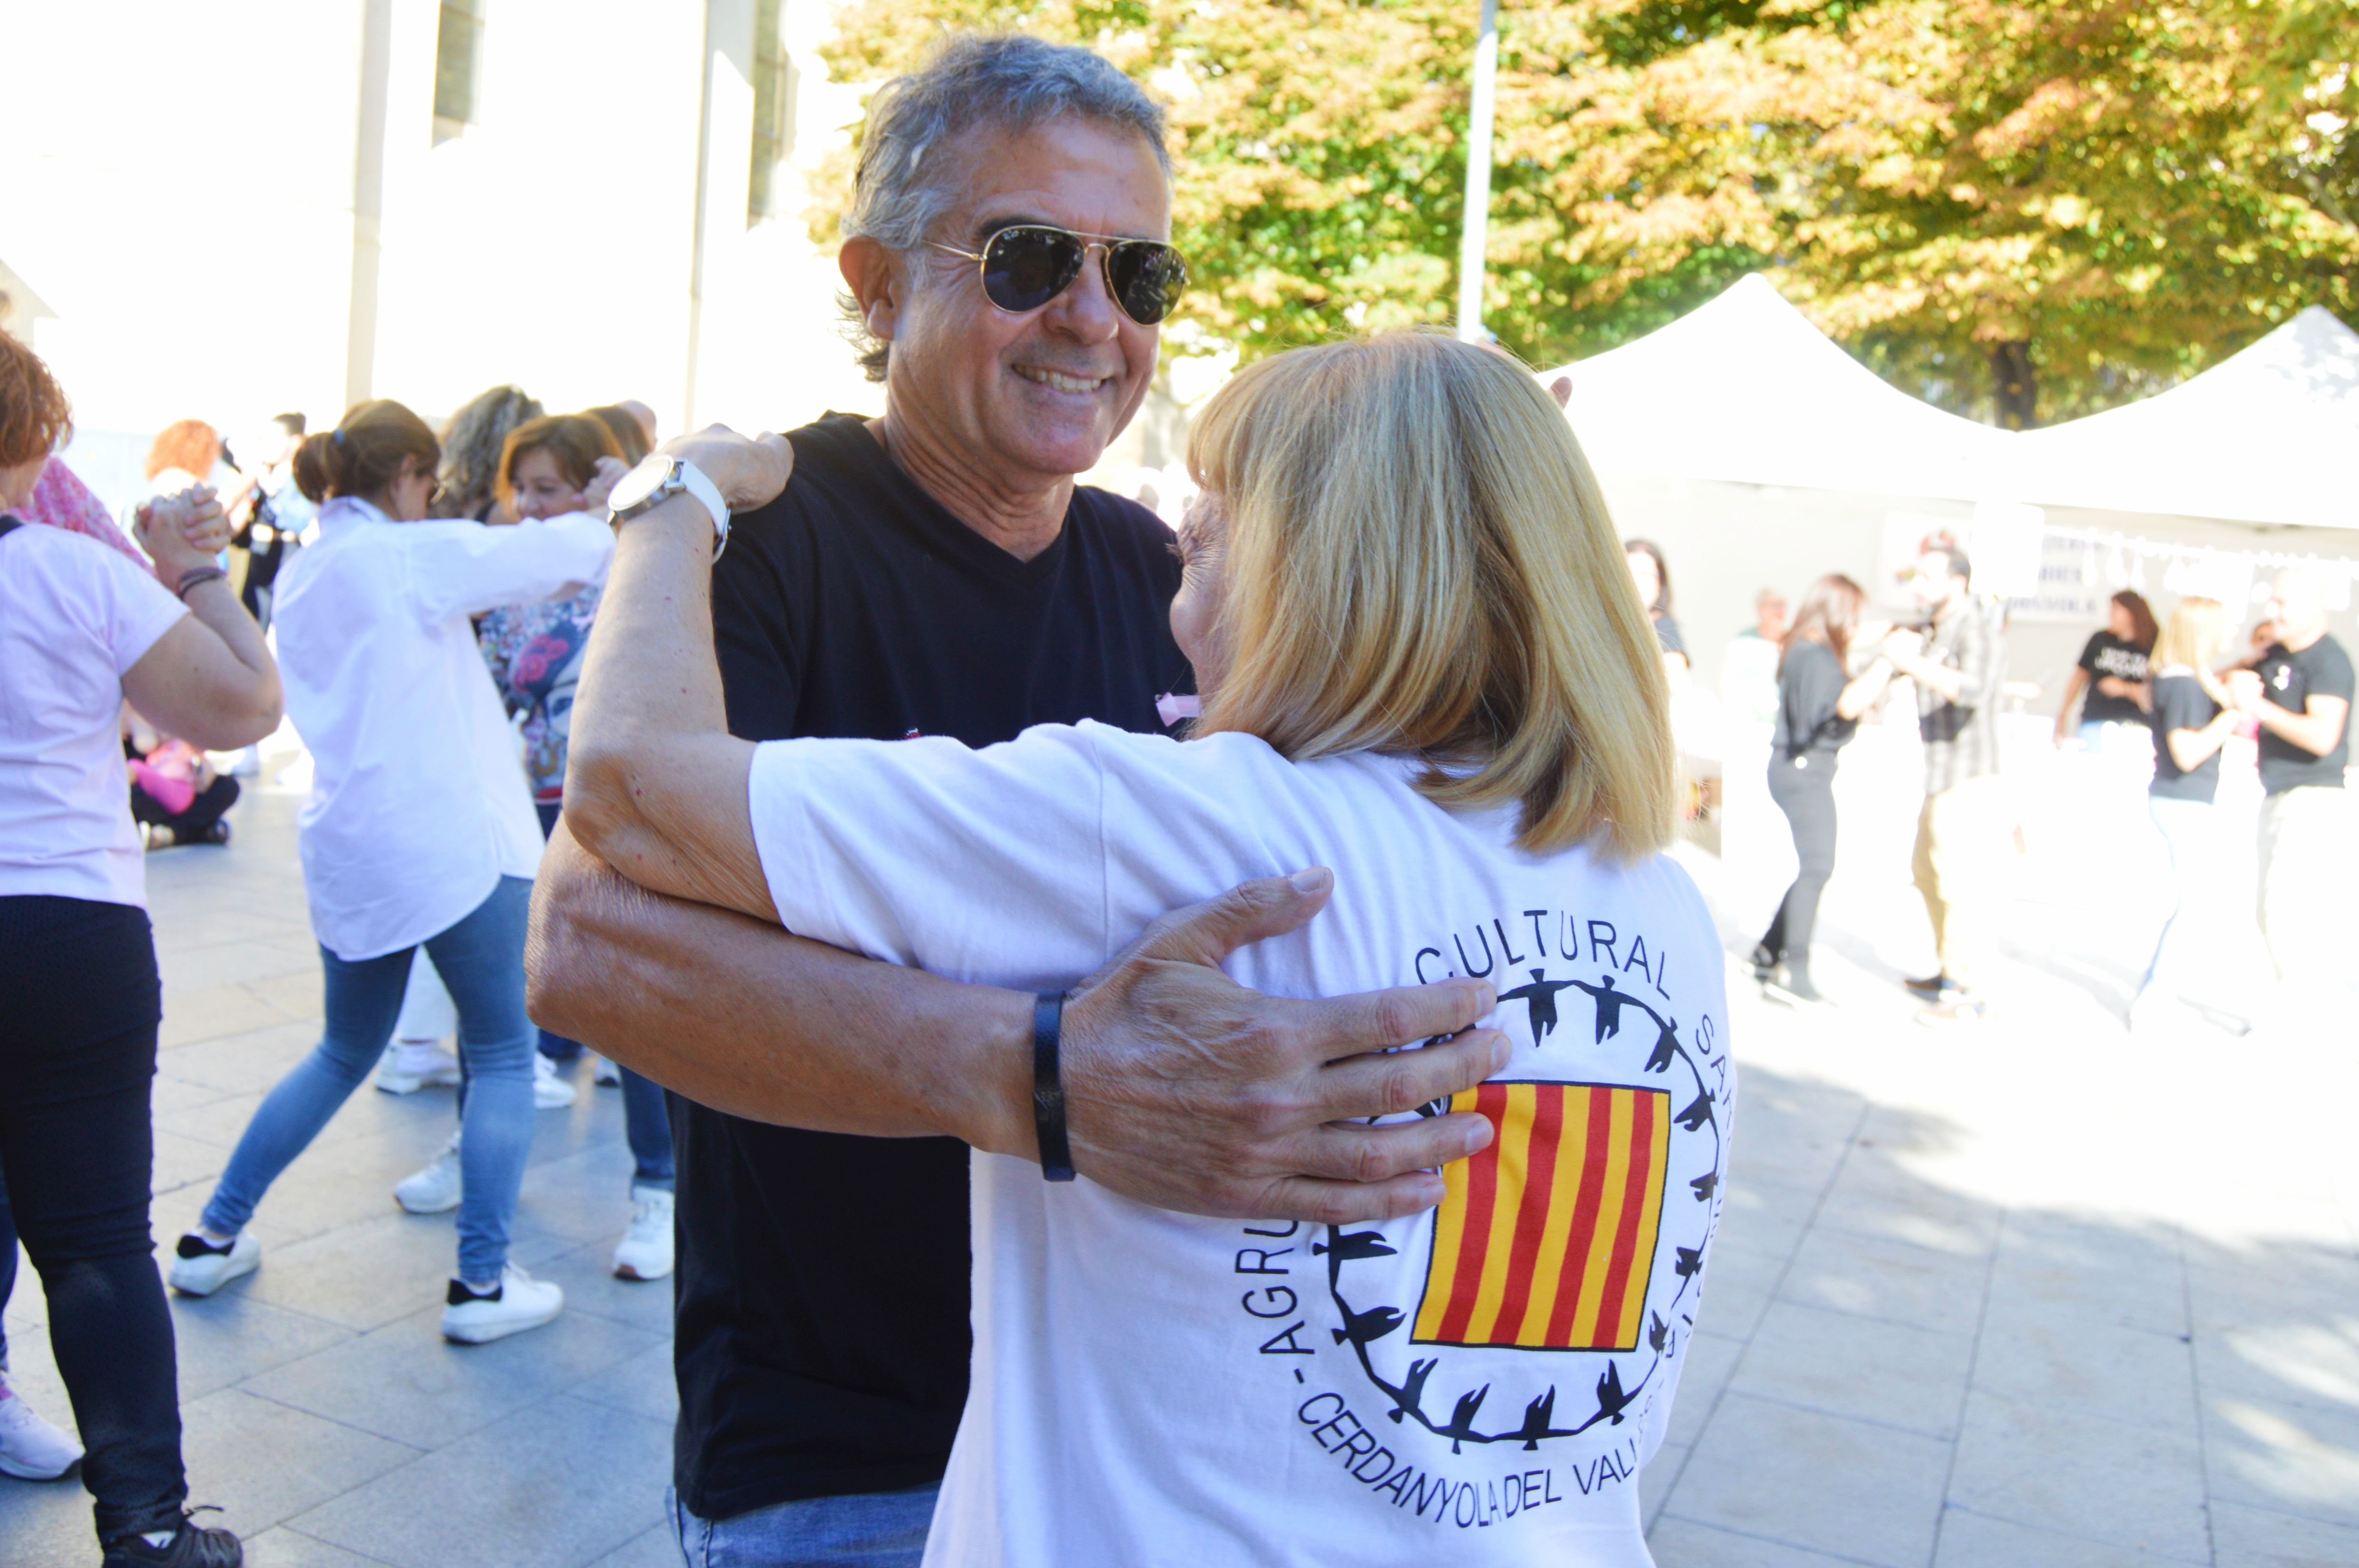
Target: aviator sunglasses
x=1025 y=266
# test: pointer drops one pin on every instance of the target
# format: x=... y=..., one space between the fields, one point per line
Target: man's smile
x=1060 y=382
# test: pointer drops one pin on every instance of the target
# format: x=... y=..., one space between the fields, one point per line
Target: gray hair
x=1005 y=81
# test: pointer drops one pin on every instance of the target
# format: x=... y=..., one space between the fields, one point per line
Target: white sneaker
x=645 y=1251
x=30 y=1448
x=517 y=1303
x=200 y=1268
x=605 y=1074
x=435 y=1189
x=549 y=1092
x=410 y=1066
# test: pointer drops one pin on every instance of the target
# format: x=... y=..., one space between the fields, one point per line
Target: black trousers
x=1807 y=796
x=76 y=1057
x=189 y=826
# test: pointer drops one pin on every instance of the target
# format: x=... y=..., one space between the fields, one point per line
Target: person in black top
x=2308 y=842
x=1819 y=705
x=2113 y=673
x=1652 y=579
x=937 y=571
x=2192 y=721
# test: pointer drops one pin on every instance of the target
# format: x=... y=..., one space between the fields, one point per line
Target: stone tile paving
x=2028 y=1296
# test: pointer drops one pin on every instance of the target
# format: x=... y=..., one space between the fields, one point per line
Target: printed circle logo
x=1562 y=1267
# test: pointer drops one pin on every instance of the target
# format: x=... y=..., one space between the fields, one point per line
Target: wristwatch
x=656 y=480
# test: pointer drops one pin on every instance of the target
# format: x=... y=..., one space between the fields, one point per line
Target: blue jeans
x=872 y=1529
x=482 y=960
x=646 y=1125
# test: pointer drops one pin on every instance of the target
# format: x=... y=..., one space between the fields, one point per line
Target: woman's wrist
x=995 y=1112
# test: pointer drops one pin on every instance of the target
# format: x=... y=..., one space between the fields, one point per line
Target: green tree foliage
x=2076 y=199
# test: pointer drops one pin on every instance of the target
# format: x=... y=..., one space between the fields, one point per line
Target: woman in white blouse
x=420 y=832
x=1425 y=667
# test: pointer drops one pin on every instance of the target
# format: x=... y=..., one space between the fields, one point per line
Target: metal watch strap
x=1049 y=1088
x=686 y=479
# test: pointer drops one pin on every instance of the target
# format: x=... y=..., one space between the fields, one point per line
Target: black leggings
x=189 y=826
x=1807 y=796
x=76 y=1057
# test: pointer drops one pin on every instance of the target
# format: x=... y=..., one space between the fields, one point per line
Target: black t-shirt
x=1667 y=635
x=1809 y=682
x=2182 y=703
x=821 y=1292
x=2107 y=655
x=2291 y=680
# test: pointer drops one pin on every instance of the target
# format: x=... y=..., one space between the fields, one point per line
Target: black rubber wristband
x=197 y=577
x=1049 y=1088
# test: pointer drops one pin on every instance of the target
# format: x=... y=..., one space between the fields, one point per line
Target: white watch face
x=642 y=484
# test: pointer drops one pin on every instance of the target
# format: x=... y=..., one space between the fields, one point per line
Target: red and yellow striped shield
x=1547 y=1238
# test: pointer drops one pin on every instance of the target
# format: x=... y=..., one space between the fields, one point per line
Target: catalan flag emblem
x=1547 y=1238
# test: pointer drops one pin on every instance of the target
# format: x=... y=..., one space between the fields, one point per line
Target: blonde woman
x=2192 y=717
x=1423 y=667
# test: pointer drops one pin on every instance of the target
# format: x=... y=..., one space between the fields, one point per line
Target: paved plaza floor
x=2031 y=1296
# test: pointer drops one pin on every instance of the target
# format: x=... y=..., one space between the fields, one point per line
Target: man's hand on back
x=1186 y=1091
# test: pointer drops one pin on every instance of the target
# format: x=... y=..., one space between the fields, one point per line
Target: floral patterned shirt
x=535 y=655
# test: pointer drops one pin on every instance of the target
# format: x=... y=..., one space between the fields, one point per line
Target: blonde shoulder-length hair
x=1419 y=561
x=2193 y=635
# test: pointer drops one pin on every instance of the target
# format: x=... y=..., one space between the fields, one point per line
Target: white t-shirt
x=1479 y=1385
x=73 y=616
x=419 y=801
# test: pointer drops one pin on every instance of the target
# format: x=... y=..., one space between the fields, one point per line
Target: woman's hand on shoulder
x=749 y=470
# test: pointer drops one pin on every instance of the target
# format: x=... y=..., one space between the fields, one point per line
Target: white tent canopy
x=2266 y=436
x=1746 y=389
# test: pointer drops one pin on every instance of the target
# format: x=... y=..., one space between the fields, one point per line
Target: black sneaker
x=1764 y=963
x=1935 y=988
x=189 y=1546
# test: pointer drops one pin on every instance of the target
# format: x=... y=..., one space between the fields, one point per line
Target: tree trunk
x=2014 y=386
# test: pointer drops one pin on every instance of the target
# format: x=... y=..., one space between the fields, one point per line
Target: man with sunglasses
x=937 y=571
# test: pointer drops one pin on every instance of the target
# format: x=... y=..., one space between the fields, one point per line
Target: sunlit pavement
x=2035 y=1294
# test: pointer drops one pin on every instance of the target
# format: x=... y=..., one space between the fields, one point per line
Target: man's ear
x=873 y=274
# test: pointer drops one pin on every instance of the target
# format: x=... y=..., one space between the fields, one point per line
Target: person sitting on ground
x=1422 y=666
x=176 y=794
x=418 y=832
x=82 y=629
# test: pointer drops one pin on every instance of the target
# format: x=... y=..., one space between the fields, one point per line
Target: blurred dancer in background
x=1748 y=670
x=2309 y=840
x=478 y=433
x=1962 y=833
x=2193 y=717
x=1652 y=578
x=2109 y=683
x=1819 y=705
x=419 y=831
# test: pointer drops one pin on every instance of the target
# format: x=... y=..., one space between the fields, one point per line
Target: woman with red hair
x=82 y=630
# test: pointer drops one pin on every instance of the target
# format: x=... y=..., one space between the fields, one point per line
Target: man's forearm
x=738 y=1015
x=2313 y=733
